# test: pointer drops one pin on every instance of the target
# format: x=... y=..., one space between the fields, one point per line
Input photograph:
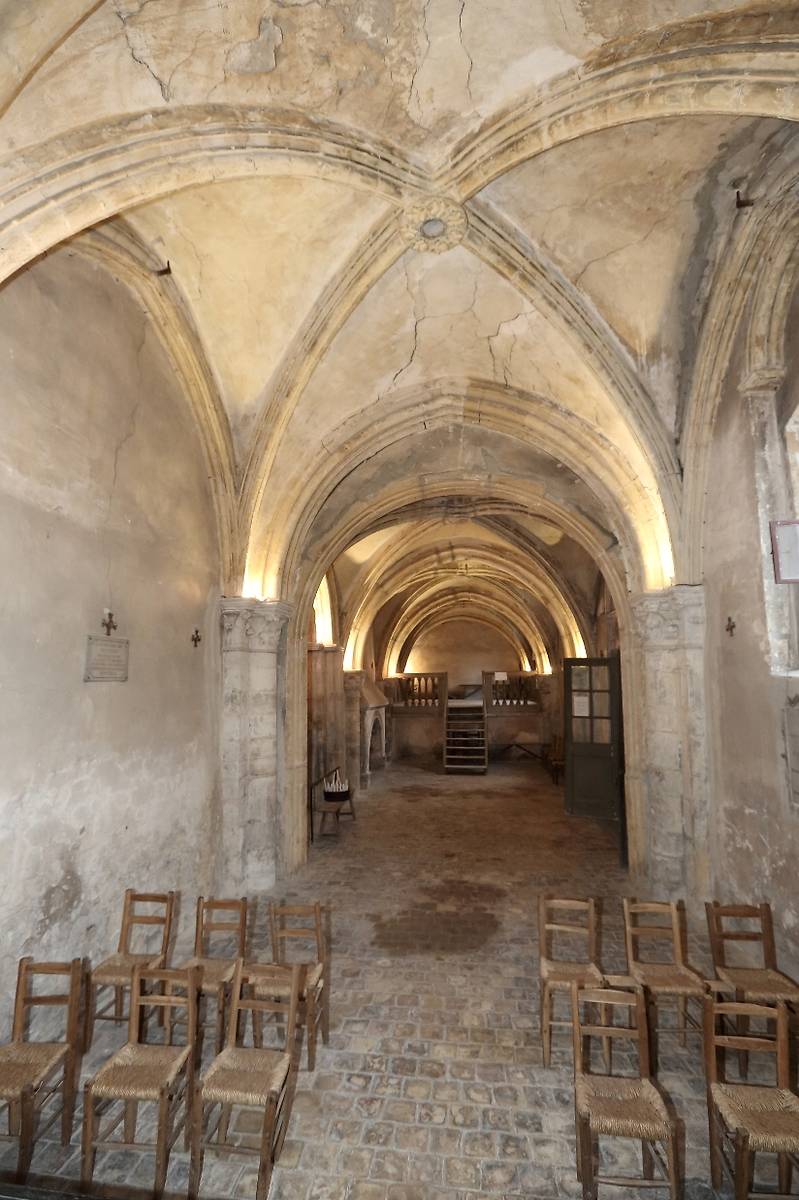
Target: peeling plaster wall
x=754 y=843
x=464 y=649
x=103 y=503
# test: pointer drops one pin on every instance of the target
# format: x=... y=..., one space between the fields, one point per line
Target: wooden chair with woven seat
x=161 y=1074
x=256 y=1077
x=116 y=970
x=619 y=1106
x=663 y=922
x=558 y=975
x=315 y=998
x=761 y=982
x=217 y=917
x=746 y=1119
x=33 y=1072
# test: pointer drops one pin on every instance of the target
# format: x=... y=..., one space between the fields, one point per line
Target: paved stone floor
x=432 y=1087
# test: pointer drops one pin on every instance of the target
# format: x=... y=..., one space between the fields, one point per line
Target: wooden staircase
x=465 y=747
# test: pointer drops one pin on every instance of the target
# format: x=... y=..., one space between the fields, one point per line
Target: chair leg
x=310 y=1021
x=742 y=1030
x=131 y=1116
x=673 y=1163
x=89 y=1153
x=221 y=997
x=546 y=1024
x=588 y=1178
x=714 y=1142
x=652 y=1023
x=682 y=1018
x=27 y=1122
x=89 y=1016
x=224 y=1122
x=785 y=1173
x=743 y=1167
x=68 y=1092
x=162 y=1147
x=267 y=1150
x=196 y=1161
x=326 y=1010
x=13 y=1120
x=647 y=1161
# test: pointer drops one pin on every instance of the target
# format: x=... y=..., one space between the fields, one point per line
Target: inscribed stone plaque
x=106 y=660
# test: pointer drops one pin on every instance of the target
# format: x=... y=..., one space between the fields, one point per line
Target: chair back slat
x=550 y=925
x=27 y=998
x=234 y=921
x=177 y=989
x=248 y=980
x=281 y=932
x=720 y=934
x=131 y=917
x=605 y=1003
x=671 y=929
x=721 y=1015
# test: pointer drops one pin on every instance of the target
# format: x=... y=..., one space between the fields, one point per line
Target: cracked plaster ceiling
x=627 y=222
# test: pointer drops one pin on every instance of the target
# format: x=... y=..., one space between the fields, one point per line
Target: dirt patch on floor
x=458 y=918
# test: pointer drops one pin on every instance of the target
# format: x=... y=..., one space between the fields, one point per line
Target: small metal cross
x=730 y=626
x=196 y=637
x=108 y=624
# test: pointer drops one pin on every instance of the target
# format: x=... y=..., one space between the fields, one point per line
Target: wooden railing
x=516 y=692
x=425 y=691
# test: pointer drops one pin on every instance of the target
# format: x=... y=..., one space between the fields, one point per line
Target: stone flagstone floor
x=432 y=1086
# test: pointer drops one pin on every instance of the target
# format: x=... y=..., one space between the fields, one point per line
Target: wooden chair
x=160 y=1074
x=116 y=971
x=757 y=983
x=32 y=1072
x=217 y=917
x=619 y=1106
x=667 y=979
x=745 y=1119
x=558 y=975
x=315 y=997
x=251 y=1078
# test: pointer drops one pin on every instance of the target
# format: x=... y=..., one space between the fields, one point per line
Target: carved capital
x=353 y=681
x=670 y=619
x=252 y=625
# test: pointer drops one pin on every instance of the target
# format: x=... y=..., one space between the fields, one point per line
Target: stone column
x=253 y=648
x=670 y=632
x=352 y=695
x=773 y=503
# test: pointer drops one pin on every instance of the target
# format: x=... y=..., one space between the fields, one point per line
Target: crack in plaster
x=637 y=241
x=137 y=58
x=465 y=51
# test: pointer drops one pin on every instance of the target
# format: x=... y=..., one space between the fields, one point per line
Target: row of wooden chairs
x=744 y=1119
x=214 y=917
x=32 y=1072
x=671 y=978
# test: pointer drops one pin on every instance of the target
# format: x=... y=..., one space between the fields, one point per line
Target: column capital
x=353 y=681
x=671 y=617
x=252 y=625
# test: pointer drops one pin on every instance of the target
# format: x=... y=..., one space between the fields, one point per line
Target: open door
x=593 y=742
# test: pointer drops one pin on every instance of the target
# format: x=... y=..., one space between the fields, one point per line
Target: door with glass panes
x=593 y=746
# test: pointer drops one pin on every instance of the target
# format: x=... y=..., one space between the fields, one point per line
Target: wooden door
x=593 y=744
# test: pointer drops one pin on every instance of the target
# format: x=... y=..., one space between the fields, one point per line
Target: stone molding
x=671 y=619
x=254 y=626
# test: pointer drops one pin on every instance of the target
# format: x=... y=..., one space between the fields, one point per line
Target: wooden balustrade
x=422 y=690
x=517 y=691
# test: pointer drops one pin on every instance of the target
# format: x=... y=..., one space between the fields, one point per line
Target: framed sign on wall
x=785 y=549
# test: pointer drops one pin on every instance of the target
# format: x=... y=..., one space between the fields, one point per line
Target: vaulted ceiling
x=361 y=224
